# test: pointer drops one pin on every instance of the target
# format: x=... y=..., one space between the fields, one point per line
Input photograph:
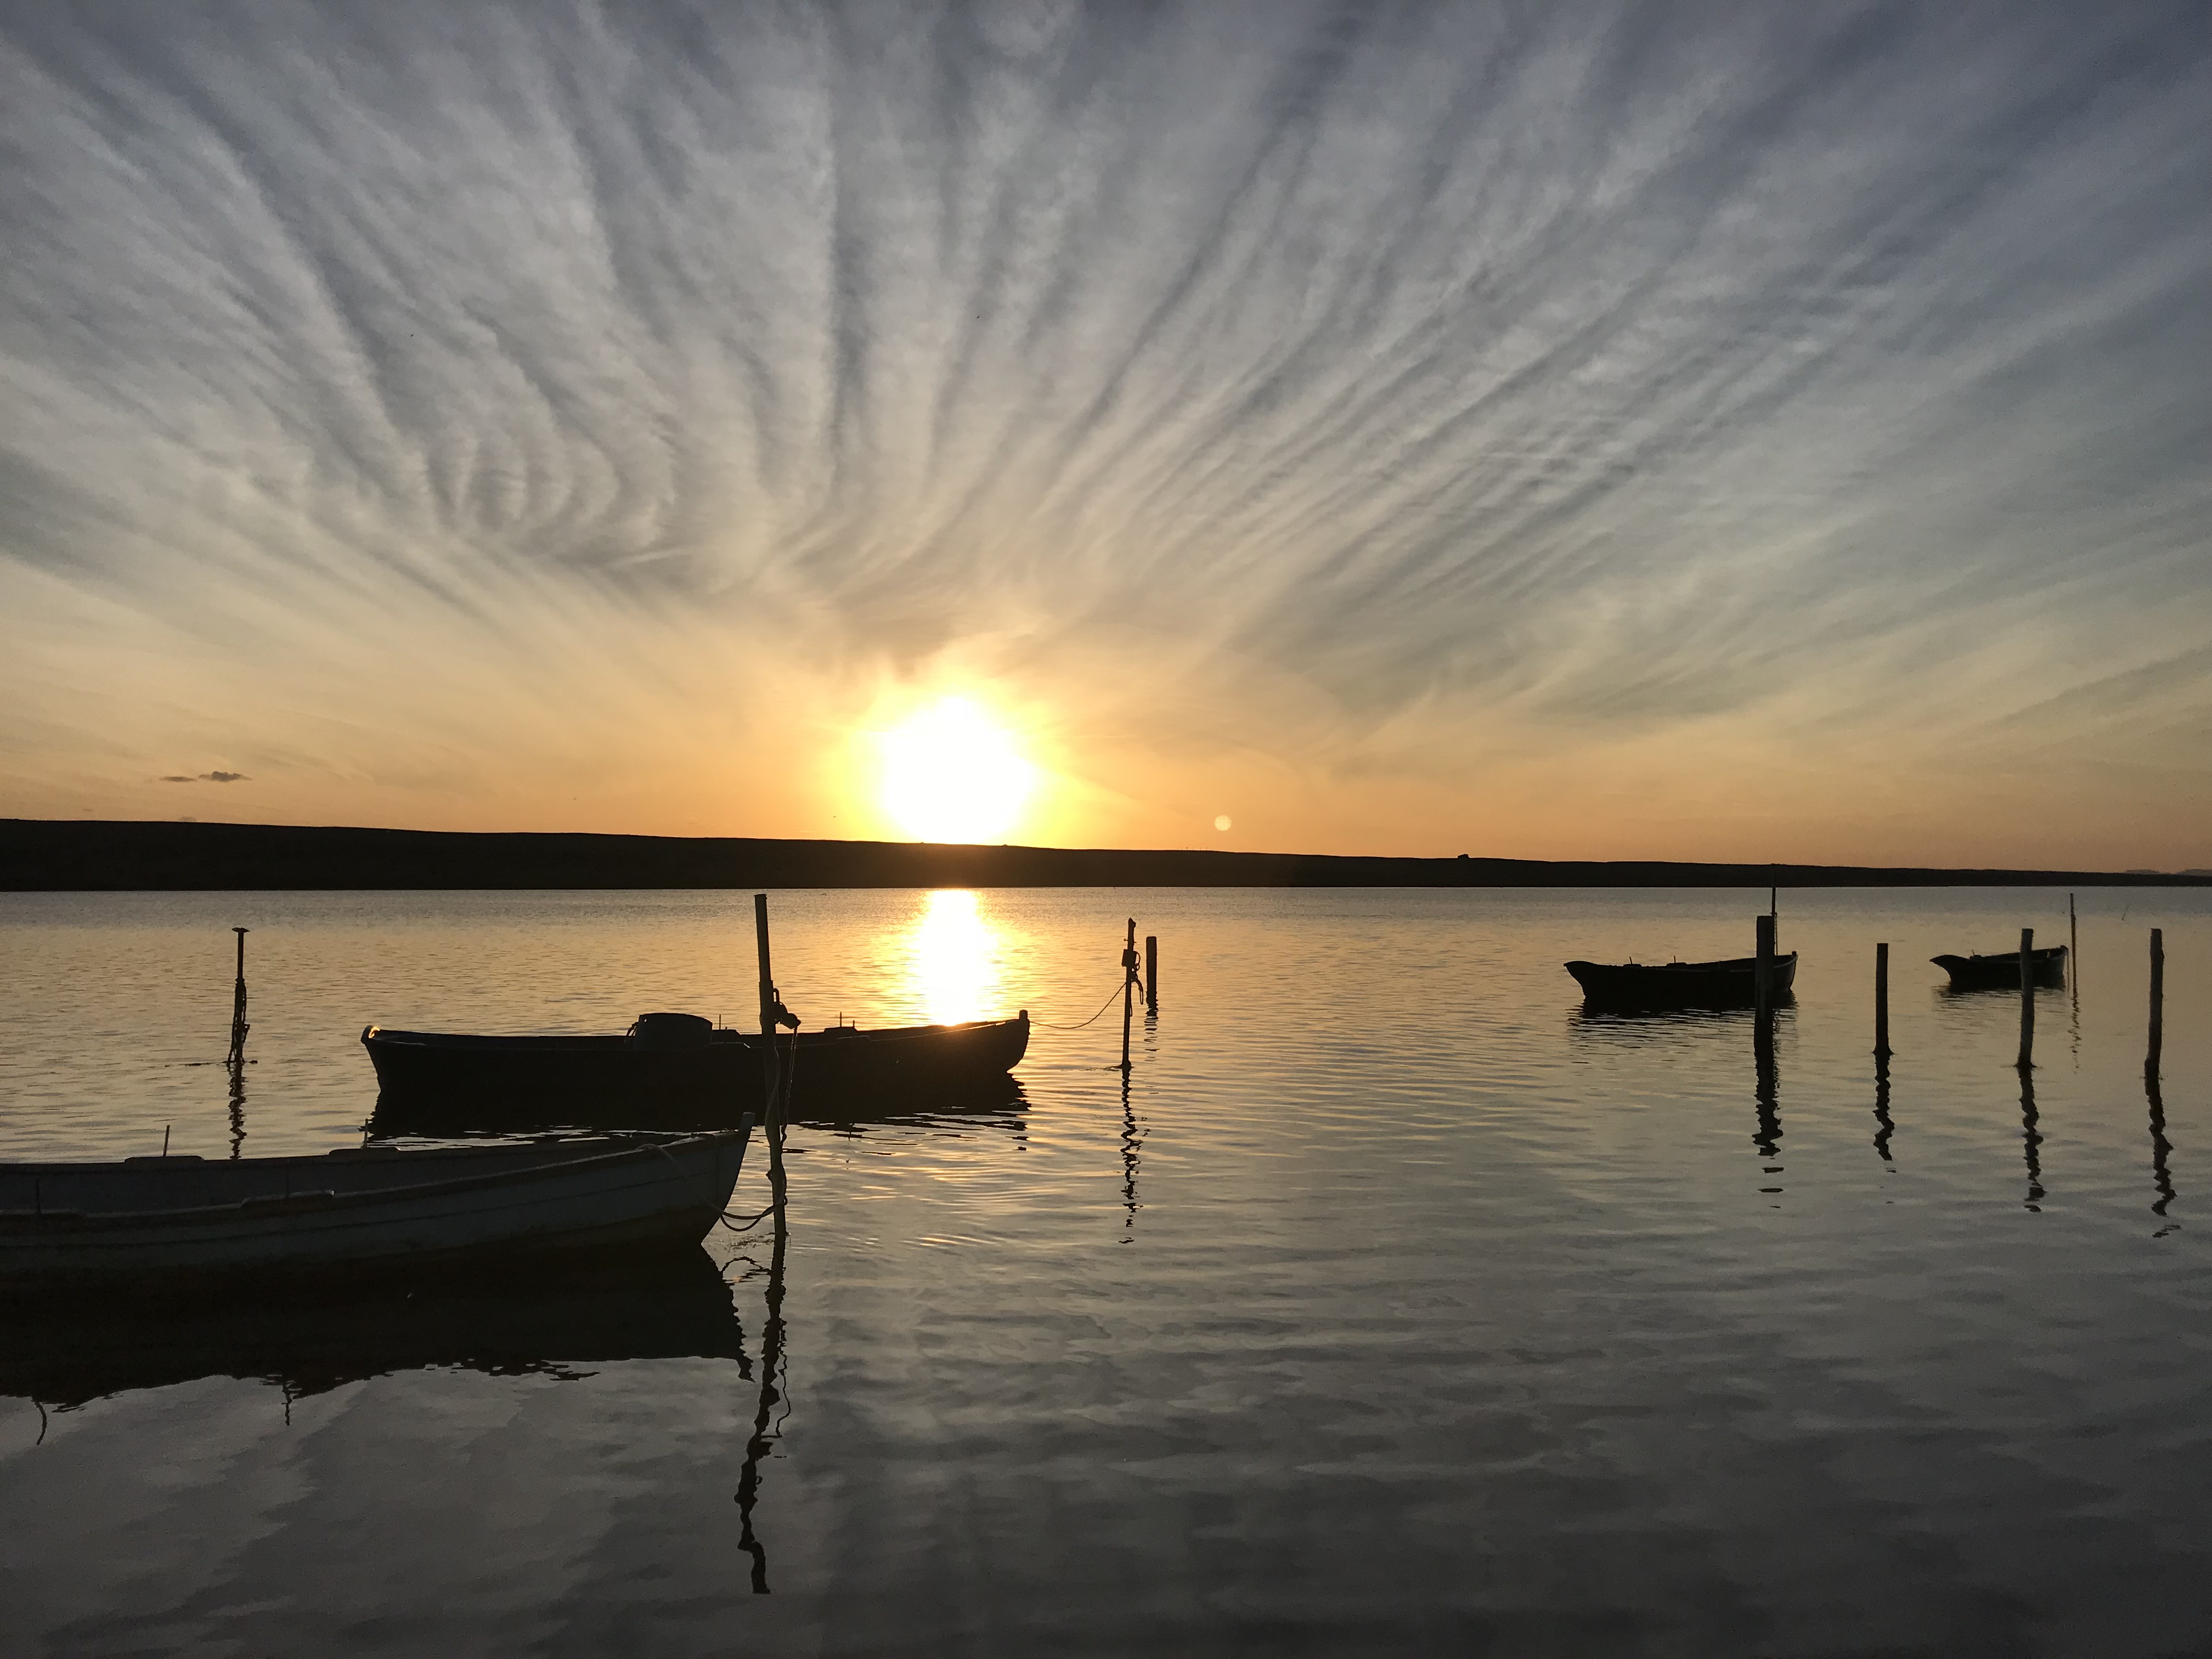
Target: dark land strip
x=62 y=855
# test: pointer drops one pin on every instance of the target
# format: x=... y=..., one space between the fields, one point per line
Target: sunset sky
x=1642 y=430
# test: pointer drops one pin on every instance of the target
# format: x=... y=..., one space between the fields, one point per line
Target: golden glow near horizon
x=953 y=960
x=951 y=773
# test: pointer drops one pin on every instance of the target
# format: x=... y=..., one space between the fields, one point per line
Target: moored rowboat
x=1729 y=984
x=160 y=1220
x=2002 y=972
x=670 y=1061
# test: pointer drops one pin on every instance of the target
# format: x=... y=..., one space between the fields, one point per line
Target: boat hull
x=2046 y=968
x=432 y=1075
x=1730 y=984
x=160 y=1221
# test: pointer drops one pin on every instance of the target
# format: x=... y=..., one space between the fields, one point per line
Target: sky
x=1575 y=430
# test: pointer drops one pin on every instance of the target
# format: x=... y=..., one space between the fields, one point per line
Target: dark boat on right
x=2001 y=973
x=1729 y=984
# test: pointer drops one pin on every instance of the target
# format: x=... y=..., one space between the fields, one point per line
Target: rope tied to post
x=1048 y=1025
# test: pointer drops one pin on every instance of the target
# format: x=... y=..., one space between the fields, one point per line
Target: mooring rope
x=1048 y=1025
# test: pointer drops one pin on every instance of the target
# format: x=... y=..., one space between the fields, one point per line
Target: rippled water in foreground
x=1398 y=1303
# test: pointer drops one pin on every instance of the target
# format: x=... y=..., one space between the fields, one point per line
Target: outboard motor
x=667 y=1031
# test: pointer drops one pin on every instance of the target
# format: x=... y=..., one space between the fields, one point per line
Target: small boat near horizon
x=160 y=1222
x=1727 y=984
x=681 y=1064
x=2000 y=972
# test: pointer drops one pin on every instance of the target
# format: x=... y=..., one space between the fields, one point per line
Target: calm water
x=1396 y=1304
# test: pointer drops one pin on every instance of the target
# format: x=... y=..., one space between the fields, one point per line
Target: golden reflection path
x=954 y=961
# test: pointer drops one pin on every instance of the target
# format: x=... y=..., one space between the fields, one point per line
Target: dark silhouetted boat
x=148 y=1223
x=672 y=1067
x=2001 y=973
x=1680 y=984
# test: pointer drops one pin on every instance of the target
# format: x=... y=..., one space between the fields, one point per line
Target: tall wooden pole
x=1128 y=988
x=2157 y=1001
x=1762 y=969
x=239 y=1028
x=1152 y=975
x=771 y=1109
x=2026 y=1059
x=1881 y=1000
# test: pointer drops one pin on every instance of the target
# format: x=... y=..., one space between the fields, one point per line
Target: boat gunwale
x=721 y=1036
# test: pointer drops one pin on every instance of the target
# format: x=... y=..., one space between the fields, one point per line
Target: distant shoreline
x=66 y=856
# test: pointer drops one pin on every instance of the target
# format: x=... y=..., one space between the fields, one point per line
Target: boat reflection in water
x=558 y=1323
x=996 y=1101
x=1666 y=1027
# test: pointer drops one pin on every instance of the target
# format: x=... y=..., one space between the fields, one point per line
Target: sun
x=951 y=773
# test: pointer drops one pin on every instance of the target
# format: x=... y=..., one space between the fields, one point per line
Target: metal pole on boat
x=1881 y=1000
x=2026 y=1061
x=239 y=1028
x=1152 y=975
x=771 y=1112
x=1128 y=988
x=2157 y=1002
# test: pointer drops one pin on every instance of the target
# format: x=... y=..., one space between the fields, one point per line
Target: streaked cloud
x=1614 y=429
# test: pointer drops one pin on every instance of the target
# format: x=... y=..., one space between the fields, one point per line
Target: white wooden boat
x=157 y=1221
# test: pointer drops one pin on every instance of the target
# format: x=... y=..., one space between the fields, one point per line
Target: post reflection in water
x=768 y=1424
x=2031 y=1140
x=1883 y=1128
x=1133 y=1144
x=2162 y=1175
x=954 y=959
x=237 y=1070
x=1767 y=1091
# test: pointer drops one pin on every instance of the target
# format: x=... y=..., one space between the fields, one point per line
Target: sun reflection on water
x=955 y=959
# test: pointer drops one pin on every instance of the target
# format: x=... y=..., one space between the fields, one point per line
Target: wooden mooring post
x=771 y=1112
x=2026 y=1061
x=1881 y=1001
x=2157 y=1002
x=238 y=1027
x=1152 y=975
x=1762 y=970
x=1128 y=988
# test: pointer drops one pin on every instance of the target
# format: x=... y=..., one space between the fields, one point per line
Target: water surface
x=1396 y=1301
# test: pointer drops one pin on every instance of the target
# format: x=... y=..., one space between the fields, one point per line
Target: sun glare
x=951 y=774
x=954 y=958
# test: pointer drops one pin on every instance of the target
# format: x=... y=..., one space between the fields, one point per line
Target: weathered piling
x=1152 y=975
x=1128 y=988
x=2026 y=1000
x=1881 y=1001
x=2157 y=1001
x=771 y=1112
x=2161 y=1149
x=238 y=1027
x=1762 y=967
